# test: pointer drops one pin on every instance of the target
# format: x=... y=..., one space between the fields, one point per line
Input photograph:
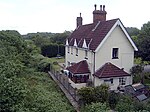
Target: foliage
x=144 y=42
x=137 y=69
x=96 y=107
x=133 y=31
x=45 y=95
x=22 y=87
x=94 y=94
x=60 y=38
x=50 y=44
x=52 y=50
x=125 y=104
x=87 y=95
x=101 y=93
x=113 y=99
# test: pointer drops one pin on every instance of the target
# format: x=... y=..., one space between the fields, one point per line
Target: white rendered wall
x=126 y=52
x=115 y=84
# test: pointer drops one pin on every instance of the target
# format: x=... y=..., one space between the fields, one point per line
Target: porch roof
x=79 y=68
x=110 y=70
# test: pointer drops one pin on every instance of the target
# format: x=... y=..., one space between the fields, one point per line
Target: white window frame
x=109 y=81
x=122 y=81
x=115 y=53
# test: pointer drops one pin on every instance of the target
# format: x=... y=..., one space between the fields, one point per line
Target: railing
x=63 y=79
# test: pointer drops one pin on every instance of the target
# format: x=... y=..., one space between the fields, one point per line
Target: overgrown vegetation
x=100 y=99
x=24 y=87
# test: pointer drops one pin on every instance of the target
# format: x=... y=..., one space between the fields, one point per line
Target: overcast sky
x=56 y=16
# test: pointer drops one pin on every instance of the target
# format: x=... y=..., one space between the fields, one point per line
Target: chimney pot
x=95 y=6
x=99 y=15
x=103 y=7
x=100 y=7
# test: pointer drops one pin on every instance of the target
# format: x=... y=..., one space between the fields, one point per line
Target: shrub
x=113 y=100
x=86 y=94
x=96 y=107
x=101 y=93
x=125 y=104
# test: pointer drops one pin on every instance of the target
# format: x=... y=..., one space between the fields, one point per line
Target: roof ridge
x=96 y=26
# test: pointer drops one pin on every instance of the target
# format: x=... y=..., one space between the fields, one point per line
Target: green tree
x=144 y=42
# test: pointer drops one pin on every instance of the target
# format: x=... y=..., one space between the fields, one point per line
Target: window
x=86 y=54
x=71 y=50
x=122 y=81
x=80 y=78
x=108 y=81
x=68 y=49
x=115 y=53
x=76 y=51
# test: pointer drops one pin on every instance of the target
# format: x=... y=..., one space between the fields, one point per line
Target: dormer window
x=86 y=54
x=76 y=51
x=115 y=53
x=68 y=49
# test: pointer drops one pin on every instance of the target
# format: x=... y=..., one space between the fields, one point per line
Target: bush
x=96 y=107
x=113 y=100
x=125 y=104
x=86 y=94
x=101 y=93
x=94 y=94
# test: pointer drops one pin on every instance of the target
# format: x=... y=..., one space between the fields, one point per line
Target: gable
x=123 y=31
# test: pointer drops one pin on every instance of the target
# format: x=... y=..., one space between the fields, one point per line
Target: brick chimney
x=79 y=21
x=99 y=15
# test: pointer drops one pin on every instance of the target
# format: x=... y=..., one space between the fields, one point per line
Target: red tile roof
x=110 y=70
x=79 y=68
x=93 y=33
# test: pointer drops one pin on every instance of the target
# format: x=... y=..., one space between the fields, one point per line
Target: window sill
x=115 y=58
x=86 y=58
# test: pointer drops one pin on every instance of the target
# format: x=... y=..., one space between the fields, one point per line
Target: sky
x=57 y=16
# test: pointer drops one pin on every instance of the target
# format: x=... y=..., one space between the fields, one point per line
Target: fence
x=63 y=79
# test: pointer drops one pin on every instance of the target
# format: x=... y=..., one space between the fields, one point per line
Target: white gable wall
x=117 y=39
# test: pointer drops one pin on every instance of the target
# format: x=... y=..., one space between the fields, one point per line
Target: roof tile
x=93 y=37
x=110 y=70
x=79 y=68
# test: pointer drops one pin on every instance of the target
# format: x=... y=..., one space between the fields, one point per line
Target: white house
x=101 y=51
